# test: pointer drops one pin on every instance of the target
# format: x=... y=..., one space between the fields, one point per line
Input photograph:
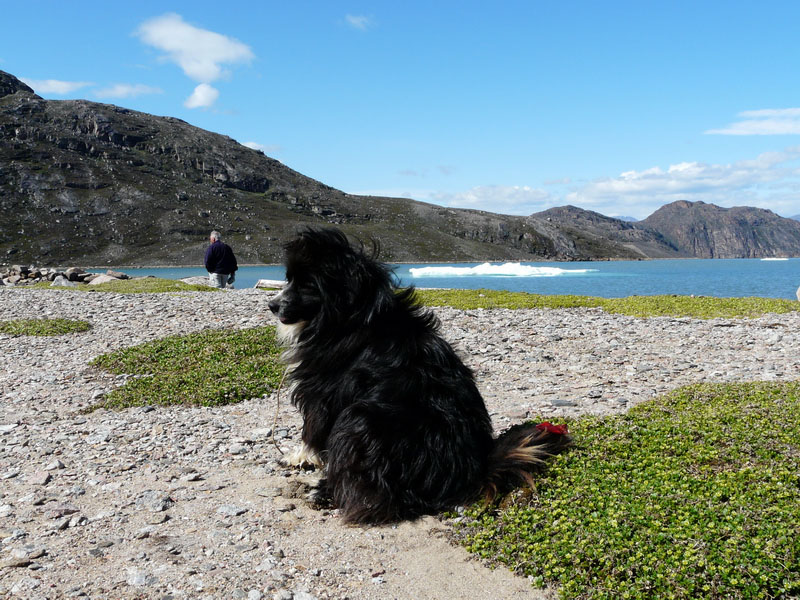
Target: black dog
x=389 y=409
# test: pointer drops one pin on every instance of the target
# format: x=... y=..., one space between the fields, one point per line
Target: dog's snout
x=274 y=306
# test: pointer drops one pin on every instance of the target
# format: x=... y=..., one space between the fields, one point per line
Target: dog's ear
x=312 y=248
x=351 y=282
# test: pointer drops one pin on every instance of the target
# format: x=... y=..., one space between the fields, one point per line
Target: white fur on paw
x=302 y=457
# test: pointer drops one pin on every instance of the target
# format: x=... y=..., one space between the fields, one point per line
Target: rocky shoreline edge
x=71 y=277
x=191 y=502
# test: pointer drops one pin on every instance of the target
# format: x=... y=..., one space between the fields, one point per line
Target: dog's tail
x=519 y=452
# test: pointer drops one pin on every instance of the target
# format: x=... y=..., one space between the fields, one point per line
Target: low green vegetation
x=693 y=495
x=44 y=327
x=209 y=368
x=703 y=307
x=140 y=285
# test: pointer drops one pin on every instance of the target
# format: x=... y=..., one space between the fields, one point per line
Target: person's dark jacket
x=220 y=259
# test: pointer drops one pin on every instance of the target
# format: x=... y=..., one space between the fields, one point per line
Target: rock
x=15 y=563
x=230 y=510
x=101 y=436
x=40 y=478
x=139 y=578
x=61 y=281
x=270 y=284
x=158 y=518
x=154 y=501
x=198 y=280
x=117 y=274
x=74 y=273
x=12 y=472
x=57 y=511
x=99 y=279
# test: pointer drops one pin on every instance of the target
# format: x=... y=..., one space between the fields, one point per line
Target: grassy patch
x=142 y=285
x=209 y=368
x=44 y=327
x=694 y=495
x=704 y=307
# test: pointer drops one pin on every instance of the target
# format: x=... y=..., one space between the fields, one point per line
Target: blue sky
x=510 y=107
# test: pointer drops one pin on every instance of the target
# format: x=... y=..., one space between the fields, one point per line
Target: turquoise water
x=612 y=279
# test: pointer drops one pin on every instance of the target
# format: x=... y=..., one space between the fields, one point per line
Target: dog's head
x=331 y=281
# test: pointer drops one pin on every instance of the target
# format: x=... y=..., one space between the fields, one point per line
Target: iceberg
x=508 y=269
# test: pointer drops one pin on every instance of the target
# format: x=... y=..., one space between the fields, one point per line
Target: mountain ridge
x=91 y=183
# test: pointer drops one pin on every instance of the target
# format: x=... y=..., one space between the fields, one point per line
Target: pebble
x=193 y=501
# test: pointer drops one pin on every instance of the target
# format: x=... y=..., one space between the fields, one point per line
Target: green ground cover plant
x=693 y=495
x=703 y=307
x=43 y=327
x=143 y=285
x=209 y=368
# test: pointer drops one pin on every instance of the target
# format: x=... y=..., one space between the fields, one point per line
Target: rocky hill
x=96 y=184
x=589 y=230
x=709 y=231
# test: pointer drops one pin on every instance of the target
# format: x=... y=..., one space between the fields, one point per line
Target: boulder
x=61 y=281
x=97 y=280
x=270 y=283
x=74 y=273
x=118 y=274
x=199 y=280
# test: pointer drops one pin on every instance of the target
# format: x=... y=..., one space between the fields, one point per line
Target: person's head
x=214 y=236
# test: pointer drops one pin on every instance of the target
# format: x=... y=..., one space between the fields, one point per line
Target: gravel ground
x=192 y=502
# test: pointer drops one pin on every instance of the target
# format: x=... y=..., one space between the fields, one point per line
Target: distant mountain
x=96 y=184
x=709 y=231
x=588 y=230
x=796 y=217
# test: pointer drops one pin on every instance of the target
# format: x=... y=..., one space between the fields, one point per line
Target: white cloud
x=269 y=149
x=127 y=90
x=769 y=121
x=770 y=180
x=360 y=22
x=54 y=86
x=444 y=170
x=199 y=52
x=505 y=199
x=203 y=96
x=765 y=181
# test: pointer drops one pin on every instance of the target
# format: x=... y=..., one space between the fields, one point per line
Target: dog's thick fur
x=389 y=409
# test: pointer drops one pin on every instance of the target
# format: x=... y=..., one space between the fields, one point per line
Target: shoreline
x=420 y=262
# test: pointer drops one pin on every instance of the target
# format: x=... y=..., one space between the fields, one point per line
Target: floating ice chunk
x=509 y=269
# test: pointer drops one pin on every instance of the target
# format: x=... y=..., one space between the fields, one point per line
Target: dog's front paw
x=302 y=458
x=319 y=497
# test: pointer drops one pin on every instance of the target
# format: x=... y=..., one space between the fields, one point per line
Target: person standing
x=220 y=262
